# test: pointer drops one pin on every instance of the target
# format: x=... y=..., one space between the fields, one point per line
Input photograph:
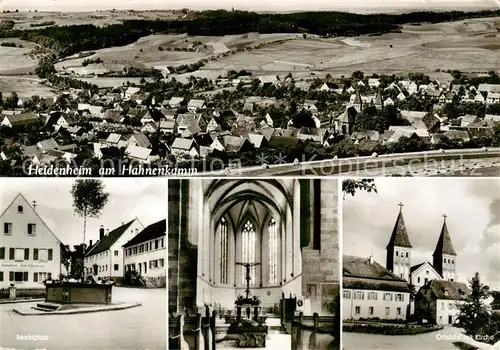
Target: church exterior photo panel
x=412 y=249
x=257 y=252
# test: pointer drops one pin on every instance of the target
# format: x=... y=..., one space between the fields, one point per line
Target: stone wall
x=183 y=256
x=320 y=267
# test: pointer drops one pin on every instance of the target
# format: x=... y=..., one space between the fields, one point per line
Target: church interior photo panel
x=415 y=253
x=253 y=263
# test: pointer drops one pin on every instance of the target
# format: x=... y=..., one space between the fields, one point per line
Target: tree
x=89 y=199
x=473 y=316
x=350 y=186
x=45 y=68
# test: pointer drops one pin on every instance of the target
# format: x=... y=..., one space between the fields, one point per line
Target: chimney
x=90 y=243
x=101 y=232
x=371 y=259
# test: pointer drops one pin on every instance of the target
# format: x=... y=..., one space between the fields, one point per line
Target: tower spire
x=444 y=256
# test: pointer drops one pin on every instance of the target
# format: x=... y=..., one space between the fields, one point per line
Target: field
x=160 y=51
x=15 y=60
x=25 y=87
x=470 y=46
x=100 y=18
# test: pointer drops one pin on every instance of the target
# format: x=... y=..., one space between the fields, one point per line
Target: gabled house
x=139 y=140
x=105 y=258
x=175 y=102
x=48 y=144
x=31 y=252
x=116 y=140
x=195 y=105
x=168 y=126
x=141 y=154
x=234 y=144
x=66 y=121
x=438 y=301
x=145 y=253
x=257 y=140
x=20 y=119
x=186 y=120
x=131 y=91
x=149 y=128
x=182 y=147
x=373 y=82
x=314 y=134
x=372 y=291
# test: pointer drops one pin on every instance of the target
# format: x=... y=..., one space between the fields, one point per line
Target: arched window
x=273 y=252
x=248 y=251
x=223 y=250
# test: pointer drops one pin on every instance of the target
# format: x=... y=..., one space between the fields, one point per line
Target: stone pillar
x=12 y=292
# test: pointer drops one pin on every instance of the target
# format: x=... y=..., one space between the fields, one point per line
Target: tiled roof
x=360 y=273
x=158 y=229
x=399 y=235
x=444 y=245
x=110 y=239
x=442 y=289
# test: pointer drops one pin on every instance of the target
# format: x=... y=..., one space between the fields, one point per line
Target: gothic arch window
x=248 y=241
x=223 y=250
x=273 y=252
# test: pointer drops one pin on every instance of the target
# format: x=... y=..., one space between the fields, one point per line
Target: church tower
x=399 y=249
x=444 y=257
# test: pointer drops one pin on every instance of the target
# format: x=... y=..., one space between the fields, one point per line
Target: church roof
x=444 y=245
x=399 y=235
x=357 y=98
x=414 y=268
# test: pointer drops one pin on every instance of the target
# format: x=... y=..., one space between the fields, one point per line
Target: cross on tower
x=445 y=216
x=401 y=205
x=34 y=205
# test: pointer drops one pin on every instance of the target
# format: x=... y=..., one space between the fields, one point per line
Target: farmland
x=469 y=46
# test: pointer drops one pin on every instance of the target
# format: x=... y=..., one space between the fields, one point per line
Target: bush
x=388 y=330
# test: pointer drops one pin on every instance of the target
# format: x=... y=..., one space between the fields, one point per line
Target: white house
x=493 y=97
x=372 y=291
x=140 y=154
x=130 y=92
x=146 y=252
x=183 y=146
x=373 y=82
x=30 y=252
x=105 y=258
x=437 y=301
x=195 y=105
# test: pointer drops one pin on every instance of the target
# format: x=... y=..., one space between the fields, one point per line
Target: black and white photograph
x=420 y=263
x=82 y=263
x=253 y=263
x=255 y=88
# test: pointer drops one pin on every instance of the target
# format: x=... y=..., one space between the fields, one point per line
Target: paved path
x=132 y=329
x=437 y=340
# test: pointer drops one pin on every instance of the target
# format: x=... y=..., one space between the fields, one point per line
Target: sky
x=253 y=5
x=472 y=207
x=144 y=198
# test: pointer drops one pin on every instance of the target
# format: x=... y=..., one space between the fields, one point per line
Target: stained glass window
x=248 y=241
x=273 y=252
x=223 y=250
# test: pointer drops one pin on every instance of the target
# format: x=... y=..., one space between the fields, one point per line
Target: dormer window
x=20 y=209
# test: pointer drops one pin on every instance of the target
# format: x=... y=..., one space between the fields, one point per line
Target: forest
x=68 y=40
